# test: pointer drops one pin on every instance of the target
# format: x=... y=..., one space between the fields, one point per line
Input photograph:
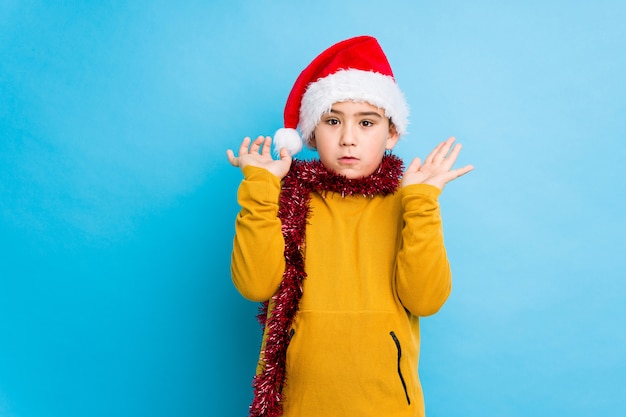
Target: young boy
x=346 y=251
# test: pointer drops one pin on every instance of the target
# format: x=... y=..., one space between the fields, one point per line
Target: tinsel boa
x=303 y=178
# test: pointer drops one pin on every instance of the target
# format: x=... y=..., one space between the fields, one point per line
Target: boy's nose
x=348 y=137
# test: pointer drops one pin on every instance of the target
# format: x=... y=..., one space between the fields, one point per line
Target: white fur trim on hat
x=289 y=139
x=352 y=85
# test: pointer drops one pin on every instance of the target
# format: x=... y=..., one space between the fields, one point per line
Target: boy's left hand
x=437 y=168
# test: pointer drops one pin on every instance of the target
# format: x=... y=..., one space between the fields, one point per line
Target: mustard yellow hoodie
x=374 y=266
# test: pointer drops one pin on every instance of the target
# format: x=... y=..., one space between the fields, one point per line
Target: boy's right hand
x=250 y=155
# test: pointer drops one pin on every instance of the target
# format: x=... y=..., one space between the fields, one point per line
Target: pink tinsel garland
x=303 y=178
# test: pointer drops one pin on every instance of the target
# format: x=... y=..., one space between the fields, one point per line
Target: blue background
x=117 y=202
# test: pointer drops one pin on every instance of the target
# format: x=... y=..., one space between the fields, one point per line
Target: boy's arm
x=423 y=278
x=257 y=260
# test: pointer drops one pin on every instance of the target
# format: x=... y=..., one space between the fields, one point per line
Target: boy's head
x=353 y=70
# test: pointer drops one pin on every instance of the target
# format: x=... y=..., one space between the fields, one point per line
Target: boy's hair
x=355 y=69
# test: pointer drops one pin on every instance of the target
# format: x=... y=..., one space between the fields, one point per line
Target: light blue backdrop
x=117 y=203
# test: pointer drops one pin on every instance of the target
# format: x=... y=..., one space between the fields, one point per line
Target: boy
x=347 y=251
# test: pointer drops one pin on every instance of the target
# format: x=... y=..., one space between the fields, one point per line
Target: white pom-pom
x=289 y=139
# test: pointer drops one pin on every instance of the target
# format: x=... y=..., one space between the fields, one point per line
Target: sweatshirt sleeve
x=258 y=261
x=424 y=280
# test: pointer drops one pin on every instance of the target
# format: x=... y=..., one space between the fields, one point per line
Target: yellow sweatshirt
x=374 y=265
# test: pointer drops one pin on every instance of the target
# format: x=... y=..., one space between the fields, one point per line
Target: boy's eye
x=332 y=121
x=367 y=123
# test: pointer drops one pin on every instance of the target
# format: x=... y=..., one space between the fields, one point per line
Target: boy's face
x=352 y=137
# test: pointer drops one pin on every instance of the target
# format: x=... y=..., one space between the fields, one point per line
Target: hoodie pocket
x=396 y=341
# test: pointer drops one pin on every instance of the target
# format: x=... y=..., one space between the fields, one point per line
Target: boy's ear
x=393 y=138
x=312 y=143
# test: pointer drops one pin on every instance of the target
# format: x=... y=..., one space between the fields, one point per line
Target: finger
x=256 y=144
x=285 y=155
x=456 y=173
x=431 y=156
x=267 y=146
x=231 y=158
x=453 y=155
x=243 y=149
x=464 y=170
x=445 y=148
x=414 y=166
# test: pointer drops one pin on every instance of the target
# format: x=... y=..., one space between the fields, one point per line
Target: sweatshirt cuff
x=426 y=190
x=257 y=173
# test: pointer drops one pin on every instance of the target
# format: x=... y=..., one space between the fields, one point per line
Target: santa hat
x=355 y=69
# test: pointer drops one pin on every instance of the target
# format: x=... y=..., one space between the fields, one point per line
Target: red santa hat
x=355 y=69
